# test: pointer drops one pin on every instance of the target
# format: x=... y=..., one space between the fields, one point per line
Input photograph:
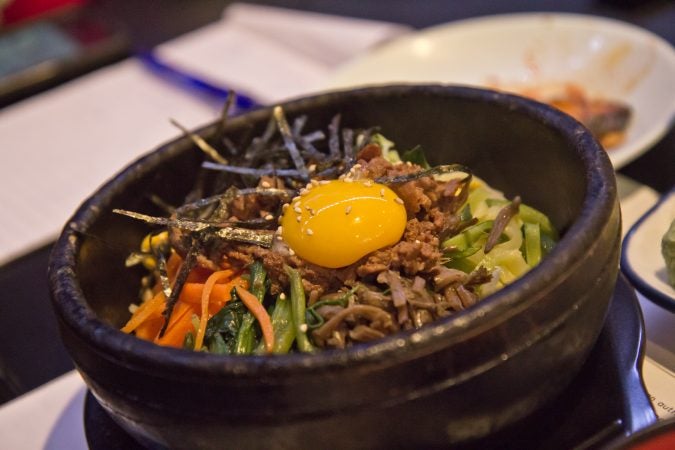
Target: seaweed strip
x=200 y=142
x=348 y=144
x=259 y=143
x=298 y=125
x=252 y=171
x=188 y=225
x=185 y=268
x=225 y=113
x=245 y=235
x=263 y=238
x=163 y=274
x=334 y=137
x=287 y=193
x=286 y=135
x=438 y=170
x=159 y=202
x=306 y=144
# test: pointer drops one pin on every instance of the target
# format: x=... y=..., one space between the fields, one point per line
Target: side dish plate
x=641 y=259
x=607 y=58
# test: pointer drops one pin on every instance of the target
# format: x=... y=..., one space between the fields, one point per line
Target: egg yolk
x=336 y=223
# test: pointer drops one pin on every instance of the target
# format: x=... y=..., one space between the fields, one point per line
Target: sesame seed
x=291 y=252
x=315 y=182
x=299 y=219
x=298 y=210
x=304 y=192
x=269 y=217
x=324 y=182
x=280 y=229
x=266 y=184
x=282 y=296
x=382 y=192
x=309 y=232
x=349 y=180
x=295 y=199
x=311 y=167
x=356 y=166
x=279 y=237
x=417 y=241
x=303 y=327
x=284 y=207
x=348 y=209
x=398 y=200
x=408 y=163
x=367 y=183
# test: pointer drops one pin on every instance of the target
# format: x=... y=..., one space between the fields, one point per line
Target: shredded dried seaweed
x=163 y=274
x=437 y=170
x=289 y=142
x=253 y=171
x=186 y=266
x=200 y=143
x=236 y=234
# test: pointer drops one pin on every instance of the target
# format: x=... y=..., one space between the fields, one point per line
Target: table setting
x=69 y=141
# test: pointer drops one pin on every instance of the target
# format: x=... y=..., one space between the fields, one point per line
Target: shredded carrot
x=198 y=275
x=144 y=311
x=220 y=293
x=173 y=264
x=260 y=313
x=206 y=295
x=149 y=329
x=180 y=323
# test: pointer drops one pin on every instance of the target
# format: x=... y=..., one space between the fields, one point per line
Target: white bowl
x=641 y=259
x=608 y=58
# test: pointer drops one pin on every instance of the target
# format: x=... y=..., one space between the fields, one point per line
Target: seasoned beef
x=403 y=285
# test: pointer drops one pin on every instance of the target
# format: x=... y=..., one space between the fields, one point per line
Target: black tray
x=607 y=398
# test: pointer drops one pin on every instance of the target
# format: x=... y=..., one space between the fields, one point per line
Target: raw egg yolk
x=335 y=223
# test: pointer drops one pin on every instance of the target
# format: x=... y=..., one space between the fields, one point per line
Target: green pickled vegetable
x=246 y=335
x=532 y=243
x=668 y=252
x=282 y=322
x=298 y=306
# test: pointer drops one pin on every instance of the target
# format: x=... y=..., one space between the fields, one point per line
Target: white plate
x=607 y=58
x=641 y=259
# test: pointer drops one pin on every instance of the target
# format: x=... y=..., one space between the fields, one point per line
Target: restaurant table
x=30 y=349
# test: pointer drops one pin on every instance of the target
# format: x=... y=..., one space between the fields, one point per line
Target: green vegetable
x=282 y=322
x=668 y=252
x=189 y=341
x=246 y=335
x=224 y=326
x=532 y=243
x=466 y=243
x=245 y=342
x=387 y=147
x=217 y=344
x=416 y=156
x=314 y=319
x=298 y=306
x=529 y=214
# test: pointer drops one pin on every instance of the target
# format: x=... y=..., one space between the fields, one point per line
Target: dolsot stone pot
x=455 y=380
